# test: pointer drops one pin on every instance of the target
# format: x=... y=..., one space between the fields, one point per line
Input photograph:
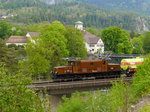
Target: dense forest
x=28 y=12
x=141 y=6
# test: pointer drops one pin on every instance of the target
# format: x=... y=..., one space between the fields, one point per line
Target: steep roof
x=33 y=34
x=16 y=39
x=90 y=38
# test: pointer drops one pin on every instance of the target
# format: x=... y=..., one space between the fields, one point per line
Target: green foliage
x=5 y=30
x=98 y=102
x=137 y=43
x=94 y=31
x=8 y=57
x=146 y=42
x=15 y=96
x=18 y=30
x=68 y=12
x=18 y=49
x=75 y=43
x=120 y=97
x=38 y=58
x=116 y=40
x=121 y=5
x=116 y=99
x=134 y=34
x=141 y=81
x=47 y=50
x=37 y=27
x=145 y=108
x=14 y=4
x=75 y=104
x=55 y=33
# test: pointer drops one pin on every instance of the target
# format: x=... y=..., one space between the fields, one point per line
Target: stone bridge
x=58 y=89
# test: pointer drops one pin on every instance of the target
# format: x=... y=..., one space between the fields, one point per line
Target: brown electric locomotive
x=85 y=69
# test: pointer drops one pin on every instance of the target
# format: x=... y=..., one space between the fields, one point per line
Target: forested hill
x=36 y=11
x=141 y=6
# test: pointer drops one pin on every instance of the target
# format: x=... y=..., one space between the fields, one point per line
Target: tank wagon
x=129 y=65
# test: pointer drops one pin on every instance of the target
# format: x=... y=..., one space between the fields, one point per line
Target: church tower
x=79 y=25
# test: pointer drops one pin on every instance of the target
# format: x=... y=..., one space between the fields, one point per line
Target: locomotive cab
x=63 y=70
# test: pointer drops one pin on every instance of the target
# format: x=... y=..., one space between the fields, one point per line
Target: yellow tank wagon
x=130 y=65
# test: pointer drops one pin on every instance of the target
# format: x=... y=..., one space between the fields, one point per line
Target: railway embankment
x=142 y=105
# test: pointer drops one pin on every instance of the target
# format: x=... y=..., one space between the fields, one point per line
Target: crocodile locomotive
x=88 y=69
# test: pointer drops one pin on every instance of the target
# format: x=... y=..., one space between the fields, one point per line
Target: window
x=92 y=49
x=99 y=68
x=104 y=62
x=99 y=45
x=84 y=69
x=78 y=64
x=71 y=63
x=91 y=64
x=92 y=45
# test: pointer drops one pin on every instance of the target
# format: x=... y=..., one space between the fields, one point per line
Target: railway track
x=59 y=88
x=74 y=80
x=54 y=83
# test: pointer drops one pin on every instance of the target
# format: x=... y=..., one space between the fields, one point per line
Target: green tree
x=8 y=57
x=73 y=104
x=137 y=43
x=15 y=96
x=5 y=29
x=94 y=31
x=75 y=43
x=116 y=99
x=55 y=33
x=18 y=30
x=38 y=59
x=141 y=80
x=47 y=50
x=116 y=40
x=146 y=42
x=120 y=97
x=134 y=34
x=37 y=27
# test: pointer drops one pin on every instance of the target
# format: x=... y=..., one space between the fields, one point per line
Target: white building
x=79 y=25
x=92 y=42
x=30 y=36
x=21 y=40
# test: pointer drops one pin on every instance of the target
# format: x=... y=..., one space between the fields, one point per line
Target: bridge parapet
x=75 y=86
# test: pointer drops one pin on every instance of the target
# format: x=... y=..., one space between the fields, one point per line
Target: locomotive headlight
x=112 y=68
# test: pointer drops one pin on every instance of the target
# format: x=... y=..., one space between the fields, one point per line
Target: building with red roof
x=18 y=40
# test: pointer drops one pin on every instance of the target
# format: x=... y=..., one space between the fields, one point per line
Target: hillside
x=36 y=11
x=141 y=6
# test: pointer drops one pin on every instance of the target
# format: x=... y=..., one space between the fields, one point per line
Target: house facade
x=93 y=43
